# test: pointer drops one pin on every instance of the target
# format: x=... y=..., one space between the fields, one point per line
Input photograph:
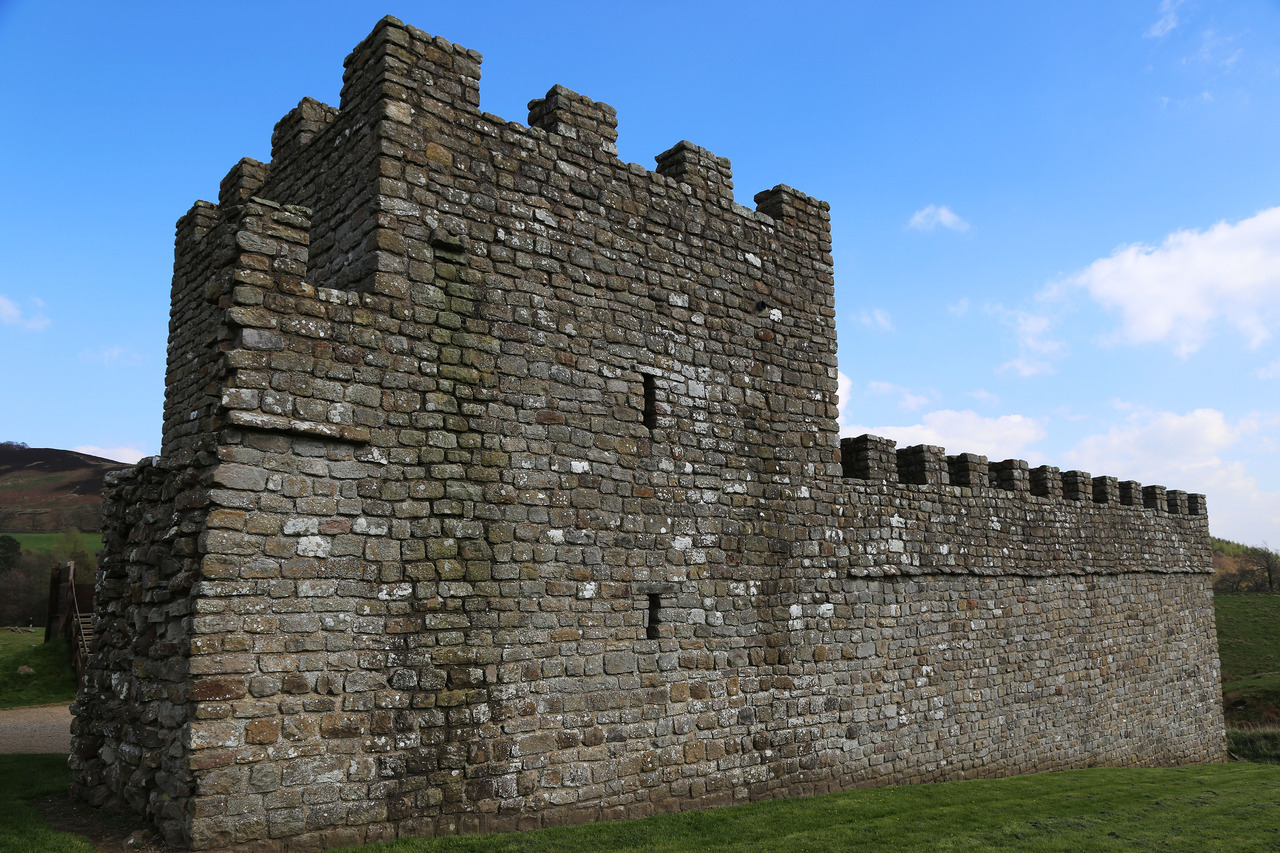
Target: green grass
x=1224 y=807
x=1248 y=634
x=47 y=546
x=22 y=828
x=1249 y=646
x=25 y=482
x=11 y=643
x=54 y=679
x=1255 y=743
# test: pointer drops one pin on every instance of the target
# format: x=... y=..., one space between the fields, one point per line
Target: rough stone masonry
x=501 y=488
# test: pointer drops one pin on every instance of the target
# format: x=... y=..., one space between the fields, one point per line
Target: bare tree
x=1244 y=568
x=1264 y=564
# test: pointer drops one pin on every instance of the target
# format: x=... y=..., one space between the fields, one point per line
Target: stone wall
x=501 y=488
x=129 y=732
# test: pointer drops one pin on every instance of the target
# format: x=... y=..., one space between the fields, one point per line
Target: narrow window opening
x=655 y=618
x=650 y=401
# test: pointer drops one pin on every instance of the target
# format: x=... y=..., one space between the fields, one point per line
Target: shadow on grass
x=22 y=828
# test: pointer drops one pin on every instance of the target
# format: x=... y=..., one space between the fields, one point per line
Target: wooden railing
x=66 y=618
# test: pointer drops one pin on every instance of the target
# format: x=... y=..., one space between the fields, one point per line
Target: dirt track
x=42 y=728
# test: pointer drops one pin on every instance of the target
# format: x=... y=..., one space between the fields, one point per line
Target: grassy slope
x=49 y=546
x=43 y=489
x=11 y=642
x=1249 y=646
x=1259 y=744
x=22 y=829
x=53 y=680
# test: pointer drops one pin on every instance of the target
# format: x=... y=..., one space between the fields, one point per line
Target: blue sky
x=1056 y=225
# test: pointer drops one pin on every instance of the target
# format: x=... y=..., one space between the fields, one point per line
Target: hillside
x=43 y=489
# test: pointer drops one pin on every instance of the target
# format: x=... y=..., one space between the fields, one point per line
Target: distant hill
x=43 y=489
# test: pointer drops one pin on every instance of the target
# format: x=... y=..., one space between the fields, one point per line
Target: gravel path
x=42 y=728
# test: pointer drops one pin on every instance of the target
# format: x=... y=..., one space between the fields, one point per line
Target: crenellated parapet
x=875 y=459
x=591 y=124
x=710 y=177
x=394 y=180
x=916 y=510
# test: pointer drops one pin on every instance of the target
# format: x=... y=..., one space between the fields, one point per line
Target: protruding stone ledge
x=309 y=429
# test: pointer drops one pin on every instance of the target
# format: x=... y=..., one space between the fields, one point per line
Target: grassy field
x=53 y=680
x=11 y=642
x=49 y=546
x=1249 y=646
x=1254 y=743
x=1215 y=808
x=1224 y=807
x=1248 y=634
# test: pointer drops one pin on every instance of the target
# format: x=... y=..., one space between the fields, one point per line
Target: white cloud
x=1149 y=440
x=1178 y=291
x=907 y=399
x=12 y=315
x=1205 y=97
x=1192 y=452
x=984 y=396
x=964 y=432
x=1037 y=351
x=959 y=308
x=1066 y=413
x=119 y=454
x=876 y=317
x=1271 y=371
x=1027 y=366
x=844 y=389
x=927 y=218
x=111 y=356
x=1168 y=19
x=1218 y=49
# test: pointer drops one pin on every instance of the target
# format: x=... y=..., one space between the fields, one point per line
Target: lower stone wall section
x=131 y=713
x=919 y=679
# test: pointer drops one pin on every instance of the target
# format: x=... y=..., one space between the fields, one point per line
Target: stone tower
x=501 y=488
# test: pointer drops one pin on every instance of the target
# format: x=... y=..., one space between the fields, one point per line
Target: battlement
x=875 y=459
x=405 y=96
x=501 y=486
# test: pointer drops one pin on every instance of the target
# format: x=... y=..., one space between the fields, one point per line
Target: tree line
x=1245 y=568
x=24 y=576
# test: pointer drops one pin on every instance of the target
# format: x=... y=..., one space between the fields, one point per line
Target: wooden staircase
x=71 y=614
x=83 y=641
